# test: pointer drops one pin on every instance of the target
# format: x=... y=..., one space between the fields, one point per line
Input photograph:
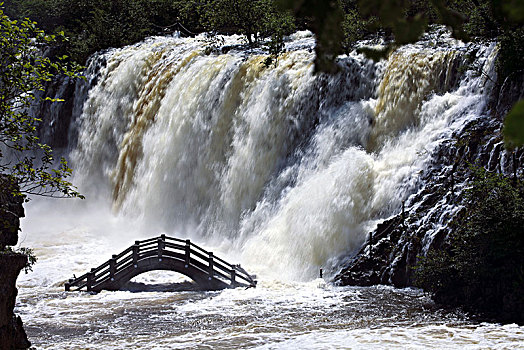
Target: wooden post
x=210 y=268
x=136 y=249
x=233 y=276
x=112 y=268
x=160 y=248
x=188 y=251
x=90 y=280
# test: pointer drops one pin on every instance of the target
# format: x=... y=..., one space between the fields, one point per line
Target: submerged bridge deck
x=163 y=253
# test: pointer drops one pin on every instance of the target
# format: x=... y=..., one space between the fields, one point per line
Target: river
x=272 y=167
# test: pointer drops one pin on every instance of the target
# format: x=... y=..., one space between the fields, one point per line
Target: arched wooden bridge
x=163 y=253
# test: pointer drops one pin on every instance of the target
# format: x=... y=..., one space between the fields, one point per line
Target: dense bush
x=481 y=266
x=93 y=25
x=511 y=52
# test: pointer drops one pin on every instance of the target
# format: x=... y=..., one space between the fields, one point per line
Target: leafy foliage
x=28 y=252
x=514 y=126
x=24 y=71
x=511 y=53
x=325 y=19
x=406 y=20
x=94 y=25
x=255 y=19
x=244 y=15
x=354 y=28
x=514 y=9
x=31 y=258
x=482 y=266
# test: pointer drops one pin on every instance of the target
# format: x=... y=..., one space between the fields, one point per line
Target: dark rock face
x=56 y=116
x=58 y=128
x=393 y=250
x=12 y=334
x=511 y=91
x=369 y=266
x=11 y=210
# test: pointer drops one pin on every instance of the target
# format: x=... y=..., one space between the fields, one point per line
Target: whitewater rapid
x=278 y=314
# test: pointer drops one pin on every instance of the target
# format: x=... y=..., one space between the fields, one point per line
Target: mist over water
x=271 y=166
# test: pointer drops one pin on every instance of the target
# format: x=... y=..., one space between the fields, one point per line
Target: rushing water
x=271 y=166
x=278 y=314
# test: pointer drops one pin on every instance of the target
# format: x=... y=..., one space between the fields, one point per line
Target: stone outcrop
x=12 y=334
x=393 y=250
x=11 y=210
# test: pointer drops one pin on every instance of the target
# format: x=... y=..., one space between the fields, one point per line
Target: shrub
x=481 y=266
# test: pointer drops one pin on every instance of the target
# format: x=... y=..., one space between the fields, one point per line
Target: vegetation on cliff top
x=94 y=25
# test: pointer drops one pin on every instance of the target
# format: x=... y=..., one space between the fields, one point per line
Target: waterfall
x=291 y=168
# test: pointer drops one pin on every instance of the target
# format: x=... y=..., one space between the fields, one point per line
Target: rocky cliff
x=12 y=334
x=11 y=210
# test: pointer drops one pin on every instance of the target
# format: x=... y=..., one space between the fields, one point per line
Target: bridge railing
x=160 y=247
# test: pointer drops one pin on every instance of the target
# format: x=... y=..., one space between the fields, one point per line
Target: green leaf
x=514 y=126
x=25 y=72
x=375 y=54
x=514 y=9
x=409 y=31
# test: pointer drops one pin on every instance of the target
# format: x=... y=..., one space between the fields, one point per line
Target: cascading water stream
x=275 y=167
x=291 y=168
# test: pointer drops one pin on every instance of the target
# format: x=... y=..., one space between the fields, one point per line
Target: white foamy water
x=268 y=166
x=278 y=314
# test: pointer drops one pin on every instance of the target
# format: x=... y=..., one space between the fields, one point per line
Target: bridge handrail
x=198 y=247
x=243 y=274
x=95 y=270
x=224 y=262
x=148 y=245
x=128 y=250
x=102 y=274
x=163 y=245
x=219 y=266
x=175 y=239
x=175 y=246
x=154 y=239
